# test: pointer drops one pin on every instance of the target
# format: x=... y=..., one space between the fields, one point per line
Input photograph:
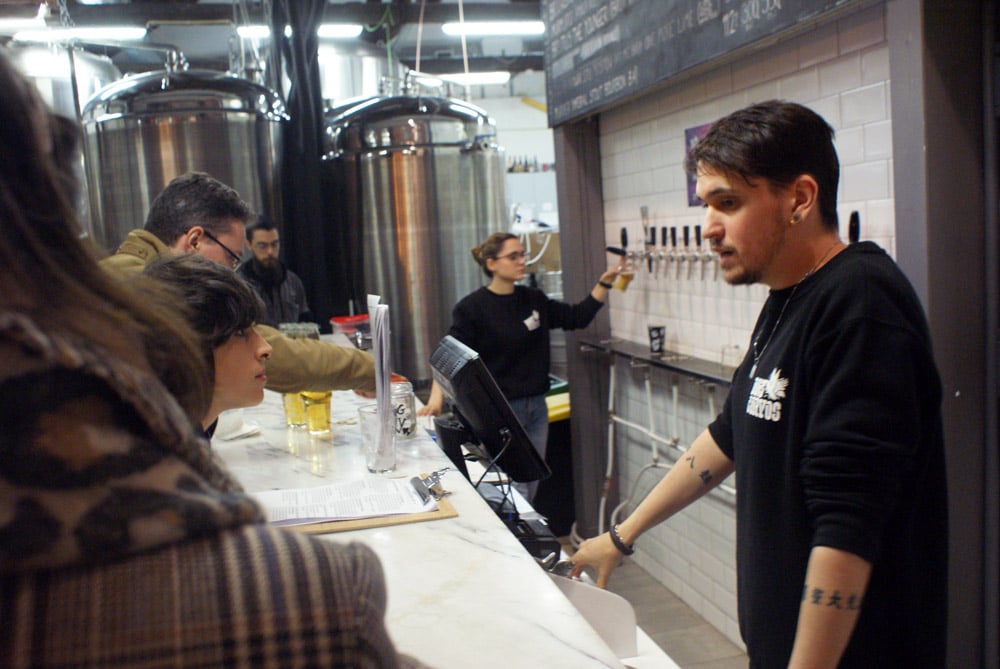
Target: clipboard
x=444 y=510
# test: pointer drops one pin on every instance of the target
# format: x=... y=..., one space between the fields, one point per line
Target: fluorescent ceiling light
x=477 y=78
x=36 y=22
x=96 y=33
x=325 y=30
x=256 y=31
x=15 y=25
x=424 y=79
x=338 y=30
x=494 y=28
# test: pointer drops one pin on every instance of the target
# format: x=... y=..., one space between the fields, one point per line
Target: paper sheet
x=362 y=498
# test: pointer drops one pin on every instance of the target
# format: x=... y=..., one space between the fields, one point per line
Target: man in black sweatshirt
x=832 y=424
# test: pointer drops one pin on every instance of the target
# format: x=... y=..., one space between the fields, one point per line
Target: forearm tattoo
x=833 y=599
x=705 y=475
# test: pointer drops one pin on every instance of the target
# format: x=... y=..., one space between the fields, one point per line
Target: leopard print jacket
x=97 y=460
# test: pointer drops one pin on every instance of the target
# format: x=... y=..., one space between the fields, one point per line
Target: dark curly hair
x=194 y=199
x=218 y=302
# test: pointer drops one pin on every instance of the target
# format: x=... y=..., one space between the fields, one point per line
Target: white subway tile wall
x=841 y=70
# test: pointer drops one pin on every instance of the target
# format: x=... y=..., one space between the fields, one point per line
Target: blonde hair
x=490 y=248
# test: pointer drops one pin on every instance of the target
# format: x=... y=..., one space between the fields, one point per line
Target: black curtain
x=307 y=238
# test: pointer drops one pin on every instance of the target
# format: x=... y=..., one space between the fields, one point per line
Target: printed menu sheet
x=345 y=500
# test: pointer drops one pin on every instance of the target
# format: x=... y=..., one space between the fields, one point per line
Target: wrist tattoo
x=834 y=599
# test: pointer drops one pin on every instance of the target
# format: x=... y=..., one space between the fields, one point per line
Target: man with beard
x=281 y=289
x=832 y=424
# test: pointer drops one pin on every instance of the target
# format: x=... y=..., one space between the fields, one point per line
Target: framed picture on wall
x=691 y=137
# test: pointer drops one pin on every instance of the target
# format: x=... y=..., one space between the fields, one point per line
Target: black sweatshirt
x=511 y=333
x=837 y=441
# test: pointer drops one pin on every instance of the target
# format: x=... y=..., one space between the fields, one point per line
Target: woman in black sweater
x=508 y=325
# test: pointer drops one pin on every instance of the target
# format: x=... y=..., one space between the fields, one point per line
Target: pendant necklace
x=758 y=353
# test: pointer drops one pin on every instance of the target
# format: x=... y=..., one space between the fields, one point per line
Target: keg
x=144 y=130
x=422 y=182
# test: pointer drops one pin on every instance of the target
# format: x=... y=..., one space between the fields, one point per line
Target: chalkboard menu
x=598 y=52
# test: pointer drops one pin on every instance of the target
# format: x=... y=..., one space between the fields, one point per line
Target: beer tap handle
x=697 y=250
x=854 y=228
x=674 y=255
x=687 y=249
x=663 y=236
x=647 y=241
x=624 y=238
x=651 y=254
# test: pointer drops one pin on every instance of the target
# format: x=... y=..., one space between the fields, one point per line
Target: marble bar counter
x=463 y=591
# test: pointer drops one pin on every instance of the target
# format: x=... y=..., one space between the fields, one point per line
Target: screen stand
x=498 y=495
x=533 y=533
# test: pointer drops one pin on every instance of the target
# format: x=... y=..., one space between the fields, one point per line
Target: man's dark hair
x=777 y=141
x=263 y=223
x=194 y=199
x=219 y=302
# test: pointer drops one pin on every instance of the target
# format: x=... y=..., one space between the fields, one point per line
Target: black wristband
x=622 y=547
x=605 y=284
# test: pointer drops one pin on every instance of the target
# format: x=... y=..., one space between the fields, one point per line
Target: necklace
x=758 y=353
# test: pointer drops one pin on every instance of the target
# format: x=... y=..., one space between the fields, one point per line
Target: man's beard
x=269 y=270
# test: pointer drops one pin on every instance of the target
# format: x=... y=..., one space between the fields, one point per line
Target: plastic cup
x=295 y=410
x=317 y=406
x=624 y=279
x=380 y=457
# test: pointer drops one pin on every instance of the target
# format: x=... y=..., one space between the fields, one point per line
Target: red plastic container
x=350 y=324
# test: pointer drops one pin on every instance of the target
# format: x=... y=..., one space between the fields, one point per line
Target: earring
x=795 y=219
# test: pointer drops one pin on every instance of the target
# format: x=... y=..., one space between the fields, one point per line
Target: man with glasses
x=193 y=214
x=196 y=213
x=281 y=289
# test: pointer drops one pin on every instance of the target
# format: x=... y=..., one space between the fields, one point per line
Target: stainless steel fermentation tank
x=421 y=182
x=65 y=76
x=144 y=130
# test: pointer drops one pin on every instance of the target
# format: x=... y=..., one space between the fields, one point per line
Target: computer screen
x=480 y=405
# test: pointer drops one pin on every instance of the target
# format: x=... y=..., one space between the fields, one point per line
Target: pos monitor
x=481 y=407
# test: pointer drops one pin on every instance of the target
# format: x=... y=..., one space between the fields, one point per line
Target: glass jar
x=403 y=409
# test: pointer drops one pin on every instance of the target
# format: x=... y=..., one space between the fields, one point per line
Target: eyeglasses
x=513 y=255
x=234 y=260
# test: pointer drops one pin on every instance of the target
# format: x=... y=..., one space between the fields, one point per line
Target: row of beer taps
x=667 y=254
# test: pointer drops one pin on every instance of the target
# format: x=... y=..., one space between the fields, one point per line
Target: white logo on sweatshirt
x=533 y=322
x=766 y=395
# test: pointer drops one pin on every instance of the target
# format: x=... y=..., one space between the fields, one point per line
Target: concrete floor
x=684 y=635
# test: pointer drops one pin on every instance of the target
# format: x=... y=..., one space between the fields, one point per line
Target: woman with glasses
x=508 y=324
